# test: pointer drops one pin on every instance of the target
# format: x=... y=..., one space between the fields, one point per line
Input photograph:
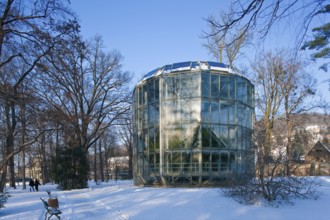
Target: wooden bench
x=51 y=210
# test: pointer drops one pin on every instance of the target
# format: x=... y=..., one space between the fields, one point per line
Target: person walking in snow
x=31 y=184
x=36 y=184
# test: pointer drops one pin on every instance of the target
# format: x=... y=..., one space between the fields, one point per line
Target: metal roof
x=191 y=66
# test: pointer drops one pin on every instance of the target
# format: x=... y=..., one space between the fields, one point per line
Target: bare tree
x=268 y=93
x=282 y=86
x=215 y=45
x=28 y=31
x=125 y=132
x=86 y=87
x=259 y=16
x=296 y=86
x=228 y=45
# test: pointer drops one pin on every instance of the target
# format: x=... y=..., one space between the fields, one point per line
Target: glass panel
x=145 y=94
x=156 y=90
x=215 y=86
x=176 y=111
x=195 y=162
x=172 y=112
x=140 y=96
x=206 y=85
x=241 y=89
x=232 y=162
x=186 y=161
x=166 y=140
x=152 y=161
x=176 y=87
x=224 y=87
x=176 y=162
x=140 y=142
x=232 y=137
x=151 y=115
x=195 y=143
x=166 y=89
x=224 y=136
x=232 y=87
x=186 y=136
x=249 y=119
x=232 y=113
x=215 y=112
x=195 y=109
x=195 y=65
x=145 y=139
x=217 y=65
x=175 y=138
x=206 y=116
x=151 y=139
x=205 y=136
x=168 y=162
x=224 y=162
x=195 y=85
x=206 y=161
x=224 y=113
x=157 y=140
x=186 y=86
x=215 y=160
x=145 y=117
x=215 y=136
x=240 y=114
x=244 y=138
x=186 y=113
x=156 y=114
x=239 y=138
x=151 y=92
x=181 y=66
x=140 y=119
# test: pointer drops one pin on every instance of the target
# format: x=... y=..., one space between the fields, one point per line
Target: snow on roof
x=191 y=66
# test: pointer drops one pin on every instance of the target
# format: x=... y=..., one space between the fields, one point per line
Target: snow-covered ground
x=122 y=200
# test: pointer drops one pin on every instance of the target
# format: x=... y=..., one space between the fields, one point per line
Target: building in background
x=192 y=124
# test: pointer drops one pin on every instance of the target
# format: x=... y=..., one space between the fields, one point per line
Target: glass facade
x=192 y=124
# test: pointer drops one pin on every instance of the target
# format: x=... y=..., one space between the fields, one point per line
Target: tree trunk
x=95 y=162
x=130 y=163
x=101 y=160
x=44 y=171
x=3 y=177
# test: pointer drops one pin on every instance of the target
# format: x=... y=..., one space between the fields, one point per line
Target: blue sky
x=153 y=33
x=149 y=33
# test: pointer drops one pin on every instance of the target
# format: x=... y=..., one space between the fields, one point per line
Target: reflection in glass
x=224 y=113
x=206 y=116
x=215 y=112
x=206 y=85
x=206 y=135
x=215 y=86
x=224 y=84
x=193 y=125
x=232 y=87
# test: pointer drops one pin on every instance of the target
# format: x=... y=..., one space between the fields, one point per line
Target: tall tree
x=28 y=31
x=125 y=130
x=296 y=86
x=87 y=88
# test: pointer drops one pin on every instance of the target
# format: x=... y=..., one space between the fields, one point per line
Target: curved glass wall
x=192 y=124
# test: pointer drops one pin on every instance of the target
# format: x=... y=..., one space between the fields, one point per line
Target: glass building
x=192 y=124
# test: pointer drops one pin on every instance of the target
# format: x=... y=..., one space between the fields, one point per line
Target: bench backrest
x=45 y=203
